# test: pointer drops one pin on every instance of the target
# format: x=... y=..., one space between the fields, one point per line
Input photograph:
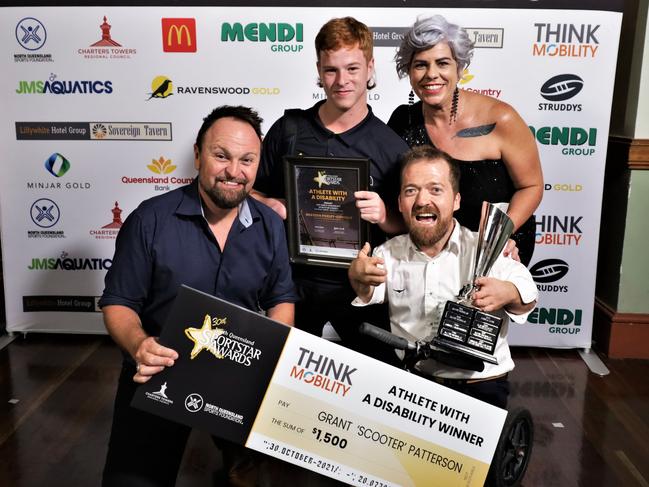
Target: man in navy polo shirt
x=208 y=235
x=343 y=125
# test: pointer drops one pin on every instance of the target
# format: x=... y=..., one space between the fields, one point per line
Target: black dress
x=484 y=180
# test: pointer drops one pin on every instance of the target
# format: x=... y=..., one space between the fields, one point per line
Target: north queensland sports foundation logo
x=106 y=47
x=224 y=345
x=179 y=35
x=561 y=88
x=565 y=40
x=562 y=321
x=574 y=141
x=556 y=230
x=194 y=402
x=45 y=214
x=549 y=271
x=281 y=36
x=31 y=35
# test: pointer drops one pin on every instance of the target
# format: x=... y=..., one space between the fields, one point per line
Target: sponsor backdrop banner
x=101 y=106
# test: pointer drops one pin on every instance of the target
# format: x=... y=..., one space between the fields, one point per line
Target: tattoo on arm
x=476 y=131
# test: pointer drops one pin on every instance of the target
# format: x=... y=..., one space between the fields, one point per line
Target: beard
x=424 y=236
x=226 y=199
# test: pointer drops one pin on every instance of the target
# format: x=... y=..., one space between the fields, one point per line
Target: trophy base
x=464 y=350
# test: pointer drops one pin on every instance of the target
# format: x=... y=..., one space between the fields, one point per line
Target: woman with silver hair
x=498 y=157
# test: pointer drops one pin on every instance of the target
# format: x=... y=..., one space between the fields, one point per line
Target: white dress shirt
x=418 y=286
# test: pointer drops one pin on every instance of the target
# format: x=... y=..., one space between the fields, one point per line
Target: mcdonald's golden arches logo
x=179 y=35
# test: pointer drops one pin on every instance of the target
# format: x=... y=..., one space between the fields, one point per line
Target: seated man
x=419 y=271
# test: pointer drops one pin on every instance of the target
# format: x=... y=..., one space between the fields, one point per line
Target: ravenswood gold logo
x=179 y=35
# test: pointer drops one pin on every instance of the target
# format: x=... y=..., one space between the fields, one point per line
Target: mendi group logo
x=561 y=321
x=574 y=141
x=281 y=36
x=55 y=86
x=224 y=345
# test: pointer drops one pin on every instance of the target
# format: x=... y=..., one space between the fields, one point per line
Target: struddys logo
x=323 y=372
x=110 y=230
x=281 y=36
x=547 y=272
x=31 y=35
x=160 y=178
x=54 y=86
x=57 y=165
x=560 y=89
x=563 y=187
x=162 y=87
x=106 y=47
x=574 y=141
x=565 y=40
x=45 y=214
x=468 y=78
x=324 y=179
x=561 y=321
x=557 y=230
x=224 y=345
x=160 y=395
x=67 y=263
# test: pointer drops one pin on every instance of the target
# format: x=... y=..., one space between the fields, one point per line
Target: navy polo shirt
x=167 y=242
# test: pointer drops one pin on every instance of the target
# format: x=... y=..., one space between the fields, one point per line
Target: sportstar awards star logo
x=220 y=343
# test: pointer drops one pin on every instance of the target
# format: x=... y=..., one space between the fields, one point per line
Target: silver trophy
x=463 y=328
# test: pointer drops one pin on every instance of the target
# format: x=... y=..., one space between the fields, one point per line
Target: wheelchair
x=514 y=447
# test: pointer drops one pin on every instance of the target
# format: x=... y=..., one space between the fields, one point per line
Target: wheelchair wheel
x=513 y=451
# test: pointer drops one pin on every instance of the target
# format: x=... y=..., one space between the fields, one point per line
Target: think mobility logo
x=224 y=345
x=64 y=87
x=106 y=47
x=565 y=40
x=323 y=372
x=556 y=230
x=45 y=213
x=31 y=36
x=283 y=37
x=562 y=321
x=575 y=141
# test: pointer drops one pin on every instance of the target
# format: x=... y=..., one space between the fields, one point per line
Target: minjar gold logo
x=221 y=343
x=179 y=35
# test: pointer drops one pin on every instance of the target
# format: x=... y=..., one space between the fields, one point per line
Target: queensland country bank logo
x=558 y=230
x=559 y=321
x=111 y=229
x=31 y=36
x=179 y=35
x=214 y=338
x=160 y=176
x=565 y=40
x=106 y=47
x=467 y=78
x=548 y=273
x=282 y=37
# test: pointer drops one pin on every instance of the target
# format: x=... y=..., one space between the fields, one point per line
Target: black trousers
x=494 y=392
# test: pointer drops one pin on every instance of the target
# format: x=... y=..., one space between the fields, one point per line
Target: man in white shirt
x=419 y=271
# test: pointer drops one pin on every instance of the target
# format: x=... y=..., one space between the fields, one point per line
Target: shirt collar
x=350 y=136
x=190 y=205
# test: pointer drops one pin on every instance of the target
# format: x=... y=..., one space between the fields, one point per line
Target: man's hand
x=151 y=358
x=278 y=205
x=365 y=272
x=511 y=250
x=371 y=206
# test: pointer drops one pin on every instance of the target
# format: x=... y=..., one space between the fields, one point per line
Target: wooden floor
x=590 y=431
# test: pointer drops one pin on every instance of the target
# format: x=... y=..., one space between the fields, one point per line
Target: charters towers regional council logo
x=161 y=87
x=179 y=35
x=106 y=47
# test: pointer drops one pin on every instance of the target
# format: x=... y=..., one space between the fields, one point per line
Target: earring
x=411 y=97
x=319 y=83
x=454 y=102
x=371 y=84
